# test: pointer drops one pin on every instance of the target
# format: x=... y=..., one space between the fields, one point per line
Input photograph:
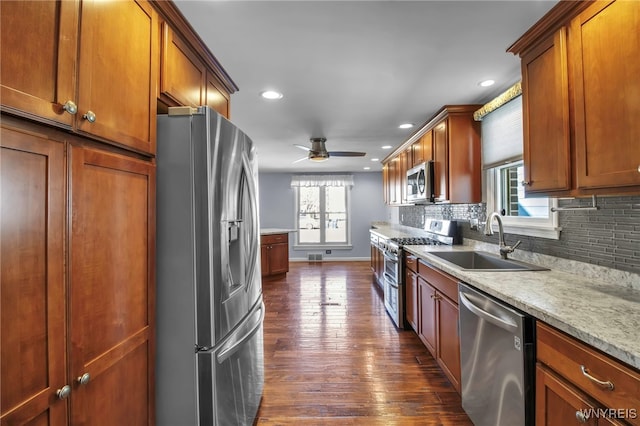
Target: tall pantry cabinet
x=77 y=218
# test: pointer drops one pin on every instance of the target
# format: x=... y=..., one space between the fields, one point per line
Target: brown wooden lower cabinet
x=274 y=253
x=81 y=351
x=433 y=296
x=576 y=382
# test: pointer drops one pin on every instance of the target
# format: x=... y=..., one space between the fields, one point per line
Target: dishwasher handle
x=510 y=326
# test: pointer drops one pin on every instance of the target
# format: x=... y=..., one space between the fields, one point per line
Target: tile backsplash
x=607 y=237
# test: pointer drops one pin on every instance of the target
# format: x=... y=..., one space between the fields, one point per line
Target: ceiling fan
x=318 y=151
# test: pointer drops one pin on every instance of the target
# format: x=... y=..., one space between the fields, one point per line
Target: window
x=520 y=215
x=502 y=140
x=322 y=211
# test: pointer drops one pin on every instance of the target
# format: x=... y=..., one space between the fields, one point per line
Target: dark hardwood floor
x=333 y=355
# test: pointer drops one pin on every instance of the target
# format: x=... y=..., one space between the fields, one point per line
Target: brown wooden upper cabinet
x=97 y=76
x=452 y=140
x=185 y=77
x=582 y=57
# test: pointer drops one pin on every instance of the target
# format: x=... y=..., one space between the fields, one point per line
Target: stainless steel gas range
x=436 y=232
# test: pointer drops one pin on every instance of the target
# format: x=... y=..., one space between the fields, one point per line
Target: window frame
x=519 y=225
x=323 y=244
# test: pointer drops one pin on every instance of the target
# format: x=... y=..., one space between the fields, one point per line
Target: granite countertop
x=596 y=305
x=270 y=231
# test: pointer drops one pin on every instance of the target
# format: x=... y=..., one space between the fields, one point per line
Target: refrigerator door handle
x=254 y=238
x=232 y=345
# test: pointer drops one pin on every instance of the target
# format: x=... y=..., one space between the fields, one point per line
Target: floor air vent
x=315 y=257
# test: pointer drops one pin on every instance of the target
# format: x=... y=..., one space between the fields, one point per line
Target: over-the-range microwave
x=420 y=183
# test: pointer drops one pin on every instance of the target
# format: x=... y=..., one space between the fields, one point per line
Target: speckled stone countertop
x=596 y=305
x=271 y=231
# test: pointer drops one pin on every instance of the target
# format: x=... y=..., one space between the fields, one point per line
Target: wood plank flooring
x=334 y=357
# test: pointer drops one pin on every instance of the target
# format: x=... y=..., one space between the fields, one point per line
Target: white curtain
x=321 y=180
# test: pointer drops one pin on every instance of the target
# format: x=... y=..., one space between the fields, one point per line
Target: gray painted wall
x=277 y=210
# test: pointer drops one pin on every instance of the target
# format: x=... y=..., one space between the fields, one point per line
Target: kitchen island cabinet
x=88 y=340
x=274 y=254
x=582 y=57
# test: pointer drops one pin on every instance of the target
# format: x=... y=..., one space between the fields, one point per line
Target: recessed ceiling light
x=271 y=94
x=405 y=126
x=387 y=147
x=486 y=83
x=367 y=168
x=375 y=159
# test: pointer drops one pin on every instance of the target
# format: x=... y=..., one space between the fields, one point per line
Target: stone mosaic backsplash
x=608 y=237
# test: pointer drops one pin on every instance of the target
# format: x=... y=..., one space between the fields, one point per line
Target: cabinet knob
x=90 y=116
x=639 y=168
x=581 y=417
x=70 y=107
x=526 y=183
x=84 y=379
x=64 y=392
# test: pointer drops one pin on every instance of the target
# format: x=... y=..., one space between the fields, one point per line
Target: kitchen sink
x=482 y=261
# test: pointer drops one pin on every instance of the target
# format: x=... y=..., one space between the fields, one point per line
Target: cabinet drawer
x=411 y=262
x=568 y=356
x=274 y=238
x=442 y=281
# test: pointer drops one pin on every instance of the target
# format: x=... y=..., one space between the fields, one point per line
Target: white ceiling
x=352 y=71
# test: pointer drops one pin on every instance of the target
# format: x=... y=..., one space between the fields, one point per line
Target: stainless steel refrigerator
x=209 y=314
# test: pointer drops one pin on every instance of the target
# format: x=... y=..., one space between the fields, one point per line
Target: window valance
x=321 y=180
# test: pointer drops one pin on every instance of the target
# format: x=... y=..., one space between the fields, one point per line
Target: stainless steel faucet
x=504 y=248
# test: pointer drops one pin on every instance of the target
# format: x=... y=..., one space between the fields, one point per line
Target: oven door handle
x=390 y=257
x=500 y=322
x=390 y=280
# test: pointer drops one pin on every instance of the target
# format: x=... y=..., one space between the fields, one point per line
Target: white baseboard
x=333 y=259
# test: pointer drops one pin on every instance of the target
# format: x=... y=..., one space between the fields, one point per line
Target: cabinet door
x=112 y=288
x=118 y=72
x=604 y=44
x=183 y=74
x=427 y=316
x=448 y=340
x=264 y=260
x=545 y=113
x=558 y=403
x=217 y=100
x=427 y=146
x=38 y=57
x=440 y=162
x=279 y=258
x=411 y=305
x=385 y=184
x=32 y=289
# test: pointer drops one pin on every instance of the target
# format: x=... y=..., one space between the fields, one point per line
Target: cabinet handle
x=581 y=417
x=84 y=379
x=607 y=385
x=526 y=183
x=70 y=107
x=64 y=392
x=90 y=116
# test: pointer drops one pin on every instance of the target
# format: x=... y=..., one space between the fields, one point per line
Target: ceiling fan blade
x=346 y=154
x=299 y=160
x=306 y=148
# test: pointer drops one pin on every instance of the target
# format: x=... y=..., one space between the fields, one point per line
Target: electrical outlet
x=327 y=252
x=473 y=223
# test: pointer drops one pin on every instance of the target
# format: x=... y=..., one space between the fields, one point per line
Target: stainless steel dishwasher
x=497 y=359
